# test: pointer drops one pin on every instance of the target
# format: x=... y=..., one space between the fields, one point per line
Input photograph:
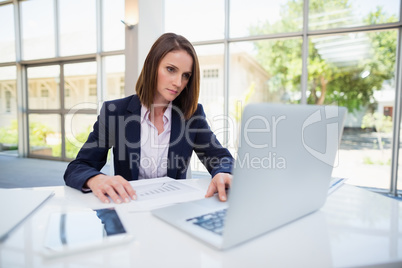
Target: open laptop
x=282 y=172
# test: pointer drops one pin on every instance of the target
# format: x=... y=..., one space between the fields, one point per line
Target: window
x=114 y=70
x=44 y=93
x=8 y=101
x=258 y=17
x=43 y=87
x=323 y=15
x=67 y=92
x=80 y=78
x=211 y=73
x=209 y=12
x=60 y=58
x=37 y=23
x=46 y=116
x=388 y=110
x=113 y=34
x=92 y=87
x=262 y=58
x=7 y=37
x=77 y=127
x=356 y=71
x=44 y=135
x=77 y=35
x=8 y=109
x=122 y=86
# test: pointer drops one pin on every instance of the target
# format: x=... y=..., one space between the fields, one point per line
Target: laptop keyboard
x=212 y=221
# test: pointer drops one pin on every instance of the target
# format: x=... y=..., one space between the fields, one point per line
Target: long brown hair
x=148 y=79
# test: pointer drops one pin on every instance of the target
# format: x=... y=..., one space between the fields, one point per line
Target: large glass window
x=8 y=109
x=399 y=182
x=77 y=128
x=258 y=58
x=113 y=33
x=264 y=60
x=44 y=94
x=43 y=87
x=256 y=17
x=77 y=27
x=262 y=71
x=7 y=36
x=80 y=101
x=62 y=94
x=357 y=71
x=44 y=135
x=115 y=67
x=38 y=29
x=352 y=13
x=80 y=87
x=196 y=20
x=211 y=60
x=46 y=114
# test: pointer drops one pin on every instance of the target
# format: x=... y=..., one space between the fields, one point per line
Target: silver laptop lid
x=285 y=158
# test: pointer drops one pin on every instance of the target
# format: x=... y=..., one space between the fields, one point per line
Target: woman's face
x=174 y=72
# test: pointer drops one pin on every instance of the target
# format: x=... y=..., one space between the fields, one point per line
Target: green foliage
x=38 y=133
x=368 y=161
x=37 y=137
x=351 y=86
x=282 y=60
x=9 y=134
x=73 y=146
x=380 y=122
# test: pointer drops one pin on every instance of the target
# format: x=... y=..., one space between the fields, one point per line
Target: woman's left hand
x=220 y=182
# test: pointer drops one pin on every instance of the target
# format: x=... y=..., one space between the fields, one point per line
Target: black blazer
x=118 y=127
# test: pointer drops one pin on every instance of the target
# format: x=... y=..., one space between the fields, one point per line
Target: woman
x=154 y=132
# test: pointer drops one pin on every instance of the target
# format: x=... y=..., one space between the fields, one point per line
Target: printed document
x=160 y=192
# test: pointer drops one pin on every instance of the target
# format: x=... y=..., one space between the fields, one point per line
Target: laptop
x=17 y=205
x=282 y=172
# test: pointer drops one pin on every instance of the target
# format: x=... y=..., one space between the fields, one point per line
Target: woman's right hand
x=118 y=188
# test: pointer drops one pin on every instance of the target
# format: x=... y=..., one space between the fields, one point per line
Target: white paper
x=162 y=189
x=160 y=192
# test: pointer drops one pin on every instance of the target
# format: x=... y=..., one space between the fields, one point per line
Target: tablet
x=83 y=230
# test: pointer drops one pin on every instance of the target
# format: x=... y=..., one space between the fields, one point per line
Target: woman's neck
x=158 y=108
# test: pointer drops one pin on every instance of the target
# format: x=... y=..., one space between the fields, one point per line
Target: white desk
x=354 y=228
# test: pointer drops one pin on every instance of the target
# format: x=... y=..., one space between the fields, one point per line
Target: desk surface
x=354 y=228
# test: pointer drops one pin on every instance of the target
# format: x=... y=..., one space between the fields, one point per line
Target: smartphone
x=77 y=231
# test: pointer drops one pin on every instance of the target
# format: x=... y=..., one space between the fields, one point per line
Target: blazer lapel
x=133 y=135
x=175 y=145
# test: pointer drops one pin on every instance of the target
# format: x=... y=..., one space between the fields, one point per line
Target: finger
x=112 y=193
x=129 y=189
x=211 y=189
x=221 y=188
x=228 y=181
x=102 y=197
x=121 y=191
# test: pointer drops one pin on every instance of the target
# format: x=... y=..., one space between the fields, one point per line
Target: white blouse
x=154 y=147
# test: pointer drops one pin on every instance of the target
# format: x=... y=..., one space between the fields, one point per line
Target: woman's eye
x=186 y=76
x=170 y=69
